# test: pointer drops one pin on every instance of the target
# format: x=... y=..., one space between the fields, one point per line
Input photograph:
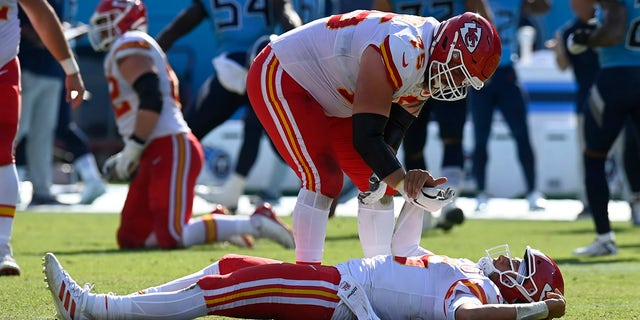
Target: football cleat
x=68 y=297
x=598 y=248
x=482 y=201
x=271 y=227
x=239 y=240
x=8 y=265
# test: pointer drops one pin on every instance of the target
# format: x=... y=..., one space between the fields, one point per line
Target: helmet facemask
x=514 y=280
x=105 y=26
x=444 y=76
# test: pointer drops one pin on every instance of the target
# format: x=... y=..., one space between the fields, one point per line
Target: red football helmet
x=537 y=275
x=465 y=51
x=112 y=18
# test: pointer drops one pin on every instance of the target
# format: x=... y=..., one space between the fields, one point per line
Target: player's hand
x=377 y=189
x=577 y=41
x=432 y=198
x=556 y=304
x=75 y=89
x=121 y=166
x=416 y=179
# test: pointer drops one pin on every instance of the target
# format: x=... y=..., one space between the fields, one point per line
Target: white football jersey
x=125 y=100
x=426 y=287
x=324 y=55
x=9 y=31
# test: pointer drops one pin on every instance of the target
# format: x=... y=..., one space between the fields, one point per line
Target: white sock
x=609 y=236
x=309 y=218
x=183 y=304
x=375 y=228
x=183 y=282
x=408 y=231
x=210 y=228
x=8 y=200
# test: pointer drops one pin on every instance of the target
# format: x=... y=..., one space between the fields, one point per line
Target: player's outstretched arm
x=551 y=308
x=48 y=27
x=182 y=24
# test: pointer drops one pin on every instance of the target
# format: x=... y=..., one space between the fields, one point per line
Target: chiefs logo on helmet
x=465 y=51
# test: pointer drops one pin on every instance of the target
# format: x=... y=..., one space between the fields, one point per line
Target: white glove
x=431 y=198
x=573 y=47
x=376 y=191
x=121 y=166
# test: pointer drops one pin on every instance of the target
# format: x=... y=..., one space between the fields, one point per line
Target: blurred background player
x=43 y=81
x=161 y=158
x=503 y=91
x=585 y=67
x=450 y=115
x=614 y=99
x=49 y=29
x=239 y=28
x=70 y=136
x=429 y=286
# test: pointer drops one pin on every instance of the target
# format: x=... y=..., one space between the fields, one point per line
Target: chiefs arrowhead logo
x=471 y=34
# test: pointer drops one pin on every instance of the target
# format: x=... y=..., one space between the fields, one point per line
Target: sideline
x=498 y=208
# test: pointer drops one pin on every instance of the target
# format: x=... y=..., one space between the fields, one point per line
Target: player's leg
x=631 y=155
x=481 y=105
x=269 y=290
x=451 y=117
x=513 y=106
x=84 y=162
x=274 y=291
x=603 y=120
x=296 y=124
x=9 y=113
x=375 y=221
x=227 y=264
x=42 y=99
x=172 y=164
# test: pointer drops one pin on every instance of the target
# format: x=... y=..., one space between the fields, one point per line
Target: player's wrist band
x=532 y=311
x=70 y=66
x=137 y=139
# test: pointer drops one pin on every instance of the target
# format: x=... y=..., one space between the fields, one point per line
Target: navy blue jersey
x=34 y=56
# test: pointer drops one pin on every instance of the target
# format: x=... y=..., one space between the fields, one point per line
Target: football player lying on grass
x=383 y=287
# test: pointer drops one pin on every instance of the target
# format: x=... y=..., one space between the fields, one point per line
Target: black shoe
x=49 y=200
x=452 y=217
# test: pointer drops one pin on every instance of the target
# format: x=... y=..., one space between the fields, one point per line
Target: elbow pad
x=147 y=86
x=368 y=140
x=399 y=121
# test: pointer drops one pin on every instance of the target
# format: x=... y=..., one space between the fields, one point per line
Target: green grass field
x=596 y=288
